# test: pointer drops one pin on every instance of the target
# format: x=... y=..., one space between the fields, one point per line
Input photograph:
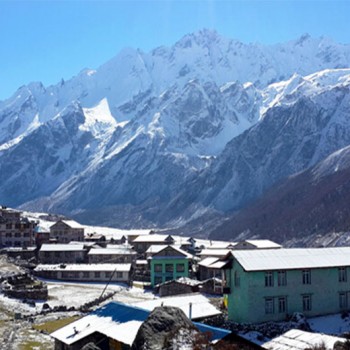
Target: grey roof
x=287 y=259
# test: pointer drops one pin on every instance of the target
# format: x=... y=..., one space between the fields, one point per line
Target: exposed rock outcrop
x=166 y=328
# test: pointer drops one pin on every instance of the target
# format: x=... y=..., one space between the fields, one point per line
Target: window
x=169 y=278
x=180 y=268
x=8 y=226
x=86 y=274
x=108 y=274
x=97 y=274
x=119 y=274
x=282 y=278
x=306 y=276
x=169 y=267
x=269 y=309
x=269 y=279
x=158 y=267
x=343 y=300
x=237 y=279
x=18 y=234
x=342 y=274
x=306 y=302
x=8 y=234
x=282 y=304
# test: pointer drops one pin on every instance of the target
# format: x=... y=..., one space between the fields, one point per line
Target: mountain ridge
x=157 y=133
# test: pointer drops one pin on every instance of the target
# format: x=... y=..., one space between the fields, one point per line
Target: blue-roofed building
x=113 y=326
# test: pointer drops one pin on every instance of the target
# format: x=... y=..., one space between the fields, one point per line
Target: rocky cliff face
x=307 y=209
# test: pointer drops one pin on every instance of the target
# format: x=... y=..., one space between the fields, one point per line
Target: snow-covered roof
x=61 y=247
x=117 y=321
x=181 y=240
x=221 y=245
x=218 y=265
x=155 y=248
x=208 y=261
x=206 y=243
x=213 y=263
x=19 y=249
x=151 y=238
x=177 y=249
x=296 y=258
x=41 y=229
x=110 y=251
x=183 y=280
x=296 y=339
x=214 y=252
x=71 y=223
x=201 y=306
x=86 y=244
x=119 y=246
x=141 y=262
x=84 y=267
x=263 y=243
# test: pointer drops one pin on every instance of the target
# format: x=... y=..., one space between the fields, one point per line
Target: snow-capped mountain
x=204 y=126
x=307 y=209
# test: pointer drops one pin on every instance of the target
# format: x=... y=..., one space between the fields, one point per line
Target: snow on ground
x=331 y=324
x=16 y=333
x=8 y=268
x=77 y=294
x=108 y=232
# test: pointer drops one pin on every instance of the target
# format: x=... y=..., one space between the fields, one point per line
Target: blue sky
x=49 y=40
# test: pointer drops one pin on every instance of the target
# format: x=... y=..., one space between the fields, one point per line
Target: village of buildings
x=251 y=282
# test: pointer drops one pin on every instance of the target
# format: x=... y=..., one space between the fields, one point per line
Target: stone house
x=269 y=285
x=65 y=231
x=62 y=253
x=182 y=285
x=15 y=230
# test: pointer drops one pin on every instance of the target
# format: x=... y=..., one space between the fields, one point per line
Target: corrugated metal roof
x=295 y=258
